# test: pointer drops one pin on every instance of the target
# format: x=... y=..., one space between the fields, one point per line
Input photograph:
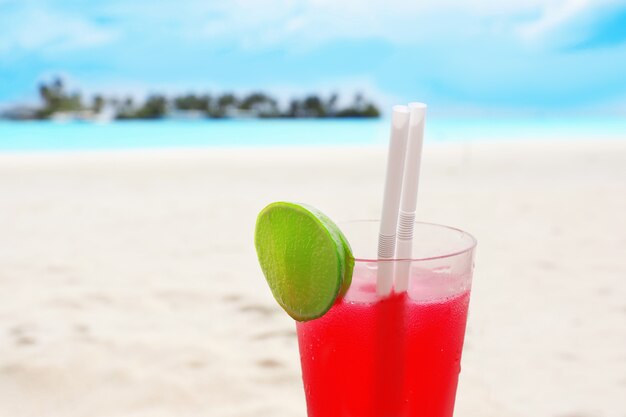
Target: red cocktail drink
x=395 y=356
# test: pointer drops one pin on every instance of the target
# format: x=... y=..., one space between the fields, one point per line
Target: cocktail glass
x=398 y=355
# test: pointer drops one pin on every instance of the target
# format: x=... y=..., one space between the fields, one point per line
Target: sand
x=130 y=285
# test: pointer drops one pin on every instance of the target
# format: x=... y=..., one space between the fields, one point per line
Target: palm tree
x=313 y=107
x=260 y=104
x=56 y=99
x=98 y=103
x=154 y=108
x=331 y=104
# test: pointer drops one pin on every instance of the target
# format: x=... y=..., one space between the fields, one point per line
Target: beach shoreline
x=260 y=133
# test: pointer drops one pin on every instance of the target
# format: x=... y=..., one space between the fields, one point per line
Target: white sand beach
x=130 y=285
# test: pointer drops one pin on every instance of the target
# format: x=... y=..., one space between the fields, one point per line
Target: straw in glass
x=410 y=181
x=391 y=199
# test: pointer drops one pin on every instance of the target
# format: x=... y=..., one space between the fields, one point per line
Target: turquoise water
x=47 y=135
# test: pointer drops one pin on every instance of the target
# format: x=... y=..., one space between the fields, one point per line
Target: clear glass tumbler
x=398 y=355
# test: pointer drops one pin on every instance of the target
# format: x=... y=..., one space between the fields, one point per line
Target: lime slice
x=349 y=264
x=304 y=256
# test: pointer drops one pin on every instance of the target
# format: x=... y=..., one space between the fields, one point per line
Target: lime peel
x=305 y=258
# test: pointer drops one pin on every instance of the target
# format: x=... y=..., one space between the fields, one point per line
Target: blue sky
x=537 y=57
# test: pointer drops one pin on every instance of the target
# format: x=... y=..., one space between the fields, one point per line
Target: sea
x=25 y=136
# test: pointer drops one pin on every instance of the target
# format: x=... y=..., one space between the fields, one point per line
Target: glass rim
x=471 y=245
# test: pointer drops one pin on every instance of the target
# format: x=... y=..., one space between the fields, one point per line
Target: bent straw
x=391 y=198
x=408 y=204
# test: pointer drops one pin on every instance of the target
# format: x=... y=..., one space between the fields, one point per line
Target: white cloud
x=301 y=24
x=267 y=22
x=558 y=25
x=552 y=17
x=257 y=24
x=46 y=31
x=564 y=23
x=262 y=23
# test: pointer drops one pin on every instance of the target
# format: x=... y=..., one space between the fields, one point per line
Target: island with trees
x=57 y=102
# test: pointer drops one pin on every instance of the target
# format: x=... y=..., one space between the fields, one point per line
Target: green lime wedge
x=305 y=258
x=349 y=263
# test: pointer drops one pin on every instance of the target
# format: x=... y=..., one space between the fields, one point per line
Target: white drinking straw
x=391 y=199
x=409 y=195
